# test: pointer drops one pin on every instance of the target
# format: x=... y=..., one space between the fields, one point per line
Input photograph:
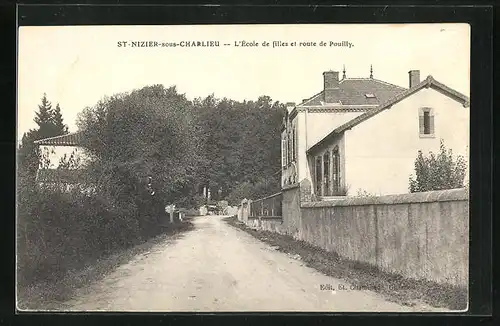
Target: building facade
x=62 y=159
x=362 y=135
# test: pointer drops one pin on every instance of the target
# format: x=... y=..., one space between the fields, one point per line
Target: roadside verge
x=363 y=276
x=52 y=295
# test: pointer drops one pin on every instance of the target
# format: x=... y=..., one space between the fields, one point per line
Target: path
x=217 y=267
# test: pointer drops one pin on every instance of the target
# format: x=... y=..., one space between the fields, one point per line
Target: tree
x=57 y=122
x=185 y=146
x=28 y=155
x=150 y=132
x=241 y=143
x=44 y=118
x=438 y=172
x=50 y=123
x=49 y=120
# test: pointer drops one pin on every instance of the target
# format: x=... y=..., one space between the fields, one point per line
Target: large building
x=362 y=135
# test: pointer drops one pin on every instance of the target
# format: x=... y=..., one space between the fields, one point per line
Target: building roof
x=359 y=91
x=429 y=82
x=58 y=176
x=73 y=139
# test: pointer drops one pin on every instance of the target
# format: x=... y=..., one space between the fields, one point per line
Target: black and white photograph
x=243 y=168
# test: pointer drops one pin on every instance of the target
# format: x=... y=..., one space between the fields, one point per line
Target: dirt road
x=217 y=267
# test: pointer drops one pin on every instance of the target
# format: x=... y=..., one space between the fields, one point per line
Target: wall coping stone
x=460 y=194
x=267 y=197
x=288 y=187
x=276 y=218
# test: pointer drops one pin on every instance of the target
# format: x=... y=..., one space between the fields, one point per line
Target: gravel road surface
x=216 y=268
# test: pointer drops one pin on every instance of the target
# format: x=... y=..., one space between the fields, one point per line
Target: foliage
x=212 y=143
x=364 y=193
x=28 y=155
x=50 y=123
x=49 y=120
x=241 y=146
x=73 y=161
x=154 y=133
x=57 y=121
x=262 y=188
x=438 y=172
x=149 y=132
x=342 y=191
x=60 y=230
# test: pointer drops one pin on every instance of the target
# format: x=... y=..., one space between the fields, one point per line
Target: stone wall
x=418 y=235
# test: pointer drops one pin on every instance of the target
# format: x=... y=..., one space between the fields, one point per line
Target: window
x=292 y=144
x=283 y=150
x=326 y=173
x=335 y=171
x=426 y=122
x=296 y=143
x=318 y=175
x=289 y=147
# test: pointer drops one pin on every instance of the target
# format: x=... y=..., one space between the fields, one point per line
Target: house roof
x=358 y=91
x=58 y=176
x=73 y=139
x=429 y=82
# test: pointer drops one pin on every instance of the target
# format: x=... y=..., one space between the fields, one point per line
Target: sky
x=76 y=66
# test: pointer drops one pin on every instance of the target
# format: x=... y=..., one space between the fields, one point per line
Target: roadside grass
x=363 y=276
x=51 y=295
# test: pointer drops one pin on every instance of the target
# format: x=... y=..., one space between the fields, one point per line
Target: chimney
x=331 y=86
x=414 y=77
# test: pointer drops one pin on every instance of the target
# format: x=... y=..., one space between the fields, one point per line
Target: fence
x=270 y=206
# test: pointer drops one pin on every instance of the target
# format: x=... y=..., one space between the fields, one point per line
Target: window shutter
x=289 y=145
x=283 y=151
x=286 y=150
x=421 y=124
x=431 y=124
x=296 y=145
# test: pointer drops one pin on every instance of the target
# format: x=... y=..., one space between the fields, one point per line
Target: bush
x=259 y=189
x=438 y=172
x=364 y=193
x=59 y=231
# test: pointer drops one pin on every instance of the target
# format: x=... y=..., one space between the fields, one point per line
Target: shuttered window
x=426 y=122
x=283 y=150
x=289 y=147
x=318 y=175
x=326 y=173
x=335 y=171
x=295 y=149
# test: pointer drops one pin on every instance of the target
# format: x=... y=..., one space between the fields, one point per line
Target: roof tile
x=353 y=92
x=73 y=139
x=428 y=82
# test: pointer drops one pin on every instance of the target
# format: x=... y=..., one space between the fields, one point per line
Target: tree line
x=229 y=147
x=152 y=137
x=50 y=123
